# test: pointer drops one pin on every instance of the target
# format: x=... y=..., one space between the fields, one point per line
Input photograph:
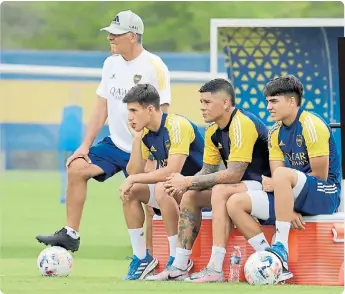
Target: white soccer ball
x=55 y=262
x=263 y=268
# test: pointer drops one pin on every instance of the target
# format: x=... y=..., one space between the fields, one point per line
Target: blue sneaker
x=170 y=261
x=280 y=251
x=140 y=268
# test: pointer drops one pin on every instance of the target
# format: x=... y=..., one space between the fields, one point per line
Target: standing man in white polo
x=131 y=65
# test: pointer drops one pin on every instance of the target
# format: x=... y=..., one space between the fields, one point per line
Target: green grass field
x=30 y=205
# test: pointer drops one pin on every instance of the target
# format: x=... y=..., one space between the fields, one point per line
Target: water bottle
x=235 y=265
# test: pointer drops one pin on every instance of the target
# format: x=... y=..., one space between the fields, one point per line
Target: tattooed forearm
x=208 y=169
x=204 y=181
x=189 y=225
x=233 y=174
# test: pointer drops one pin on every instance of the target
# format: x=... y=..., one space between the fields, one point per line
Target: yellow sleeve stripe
x=161 y=79
x=175 y=136
x=275 y=127
x=237 y=132
x=311 y=130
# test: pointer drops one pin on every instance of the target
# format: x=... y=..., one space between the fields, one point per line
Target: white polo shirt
x=118 y=77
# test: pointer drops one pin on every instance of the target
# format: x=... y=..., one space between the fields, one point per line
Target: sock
x=217 y=258
x=282 y=233
x=172 y=245
x=259 y=242
x=138 y=242
x=182 y=257
x=72 y=232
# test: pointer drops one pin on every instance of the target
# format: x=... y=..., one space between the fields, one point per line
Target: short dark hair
x=286 y=86
x=144 y=94
x=139 y=38
x=217 y=85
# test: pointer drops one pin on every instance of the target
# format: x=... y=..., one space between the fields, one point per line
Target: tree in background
x=170 y=26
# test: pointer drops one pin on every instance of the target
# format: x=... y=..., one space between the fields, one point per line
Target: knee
x=235 y=204
x=78 y=170
x=282 y=174
x=133 y=194
x=189 y=199
x=160 y=192
x=220 y=194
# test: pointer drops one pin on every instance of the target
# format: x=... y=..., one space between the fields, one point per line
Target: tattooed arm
x=207 y=169
x=233 y=174
x=177 y=183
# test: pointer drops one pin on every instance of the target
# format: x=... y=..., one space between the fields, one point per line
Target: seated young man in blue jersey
x=305 y=171
x=239 y=139
x=176 y=144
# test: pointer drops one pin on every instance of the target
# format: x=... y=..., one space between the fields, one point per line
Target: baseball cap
x=124 y=22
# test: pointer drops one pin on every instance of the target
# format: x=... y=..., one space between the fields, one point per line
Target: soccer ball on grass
x=55 y=261
x=263 y=268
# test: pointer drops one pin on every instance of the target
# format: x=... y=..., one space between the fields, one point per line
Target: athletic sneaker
x=281 y=252
x=285 y=275
x=171 y=273
x=60 y=238
x=207 y=275
x=140 y=268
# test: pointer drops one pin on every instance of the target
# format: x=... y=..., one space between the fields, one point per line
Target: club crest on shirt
x=299 y=140
x=167 y=144
x=137 y=78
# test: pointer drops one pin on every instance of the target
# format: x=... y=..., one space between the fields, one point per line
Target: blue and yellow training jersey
x=245 y=138
x=307 y=137
x=176 y=135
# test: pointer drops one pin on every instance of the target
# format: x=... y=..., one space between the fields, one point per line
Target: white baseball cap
x=124 y=22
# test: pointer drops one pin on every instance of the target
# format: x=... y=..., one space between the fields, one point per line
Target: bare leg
x=142 y=263
x=221 y=222
x=133 y=209
x=190 y=216
x=221 y=227
x=189 y=224
x=134 y=216
x=79 y=172
x=169 y=209
x=284 y=180
x=149 y=213
x=239 y=207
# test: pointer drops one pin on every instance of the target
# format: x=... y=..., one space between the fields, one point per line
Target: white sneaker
x=206 y=275
x=164 y=275
x=170 y=273
x=284 y=276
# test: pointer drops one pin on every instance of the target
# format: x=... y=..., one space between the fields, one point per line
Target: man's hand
x=176 y=184
x=133 y=132
x=267 y=184
x=81 y=152
x=297 y=221
x=125 y=188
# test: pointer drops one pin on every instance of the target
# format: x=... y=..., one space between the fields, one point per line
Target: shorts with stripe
x=312 y=196
x=317 y=197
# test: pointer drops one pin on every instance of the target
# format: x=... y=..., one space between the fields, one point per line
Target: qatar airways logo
x=297 y=158
x=118 y=93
